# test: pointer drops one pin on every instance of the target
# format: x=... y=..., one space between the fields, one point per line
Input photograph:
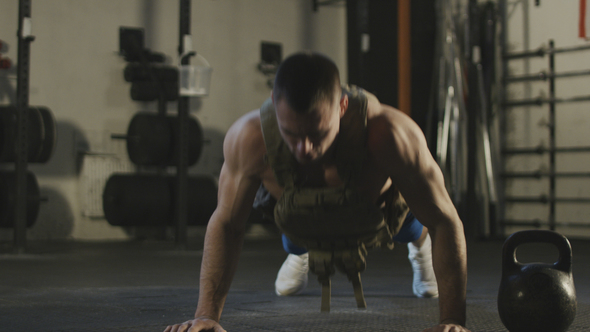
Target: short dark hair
x=306 y=78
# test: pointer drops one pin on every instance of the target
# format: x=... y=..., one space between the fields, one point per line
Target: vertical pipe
x=526 y=37
x=22 y=100
x=352 y=42
x=472 y=204
x=357 y=15
x=183 y=106
x=497 y=228
x=552 y=126
x=404 y=52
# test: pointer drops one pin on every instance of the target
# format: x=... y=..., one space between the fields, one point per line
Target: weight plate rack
x=28 y=134
x=178 y=143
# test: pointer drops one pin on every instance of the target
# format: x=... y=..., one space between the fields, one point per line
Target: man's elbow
x=222 y=222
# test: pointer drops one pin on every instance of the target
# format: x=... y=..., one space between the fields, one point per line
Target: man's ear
x=343 y=104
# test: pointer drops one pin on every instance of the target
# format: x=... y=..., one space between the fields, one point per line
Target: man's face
x=310 y=135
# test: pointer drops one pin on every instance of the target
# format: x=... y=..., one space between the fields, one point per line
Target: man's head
x=309 y=103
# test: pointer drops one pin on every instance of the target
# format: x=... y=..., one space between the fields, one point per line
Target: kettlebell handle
x=564 y=262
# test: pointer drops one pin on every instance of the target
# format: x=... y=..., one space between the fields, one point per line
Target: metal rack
x=552 y=150
x=182 y=139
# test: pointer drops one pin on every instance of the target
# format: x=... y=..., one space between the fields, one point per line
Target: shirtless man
x=310 y=105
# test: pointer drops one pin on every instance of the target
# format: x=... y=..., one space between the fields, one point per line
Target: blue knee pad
x=292 y=248
x=411 y=231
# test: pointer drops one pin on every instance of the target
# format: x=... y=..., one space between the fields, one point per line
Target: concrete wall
x=530 y=27
x=77 y=73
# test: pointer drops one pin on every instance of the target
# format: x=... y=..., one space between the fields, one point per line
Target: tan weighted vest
x=336 y=224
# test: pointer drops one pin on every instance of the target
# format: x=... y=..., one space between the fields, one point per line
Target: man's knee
x=291 y=248
x=410 y=231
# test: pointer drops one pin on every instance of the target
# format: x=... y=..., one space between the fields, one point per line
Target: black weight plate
x=148 y=139
x=8 y=116
x=144 y=91
x=137 y=200
x=195 y=140
x=171 y=90
x=8 y=202
x=5 y=132
x=49 y=140
x=201 y=198
x=137 y=72
x=202 y=195
x=34 y=133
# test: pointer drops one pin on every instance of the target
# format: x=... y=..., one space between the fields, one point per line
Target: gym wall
x=77 y=73
x=530 y=27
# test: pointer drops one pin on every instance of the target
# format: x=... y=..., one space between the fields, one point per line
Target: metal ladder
x=552 y=150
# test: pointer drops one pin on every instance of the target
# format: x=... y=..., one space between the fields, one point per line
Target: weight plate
x=8 y=202
x=8 y=115
x=195 y=141
x=148 y=139
x=49 y=140
x=137 y=200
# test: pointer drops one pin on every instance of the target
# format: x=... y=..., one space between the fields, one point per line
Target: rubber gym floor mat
x=145 y=309
x=144 y=286
x=384 y=313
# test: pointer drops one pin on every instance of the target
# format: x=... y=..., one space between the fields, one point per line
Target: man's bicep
x=236 y=194
x=424 y=190
x=240 y=174
x=420 y=180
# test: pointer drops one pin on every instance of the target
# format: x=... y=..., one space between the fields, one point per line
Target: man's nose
x=304 y=145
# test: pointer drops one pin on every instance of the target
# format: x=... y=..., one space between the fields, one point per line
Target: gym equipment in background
x=159 y=141
x=538 y=297
x=41 y=134
x=17 y=210
x=7 y=199
x=149 y=199
x=152 y=140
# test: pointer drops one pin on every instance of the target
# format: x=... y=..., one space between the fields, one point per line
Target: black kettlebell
x=537 y=296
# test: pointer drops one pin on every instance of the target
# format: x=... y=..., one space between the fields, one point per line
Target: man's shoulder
x=381 y=117
x=248 y=122
x=246 y=130
x=388 y=127
x=244 y=140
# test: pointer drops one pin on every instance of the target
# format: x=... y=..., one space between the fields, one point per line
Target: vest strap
x=351 y=261
x=321 y=262
x=326 y=294
x=358 y=291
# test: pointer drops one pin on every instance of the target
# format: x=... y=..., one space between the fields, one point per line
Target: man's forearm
x=220 y=258
x=450 y=266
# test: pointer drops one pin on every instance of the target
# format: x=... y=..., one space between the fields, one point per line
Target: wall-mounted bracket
x=271 y=55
